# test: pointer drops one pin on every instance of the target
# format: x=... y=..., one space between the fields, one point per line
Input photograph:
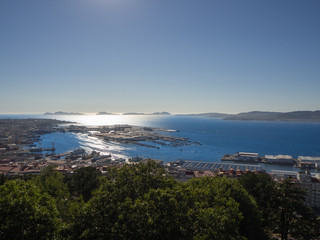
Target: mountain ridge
x=303 y=116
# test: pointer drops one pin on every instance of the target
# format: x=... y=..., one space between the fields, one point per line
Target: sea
x=217 y=137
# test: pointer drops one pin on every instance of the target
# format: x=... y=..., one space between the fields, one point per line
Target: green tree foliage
x=264 y=190
x=84 y=181
x=3 y=179
x=69 y=211
x=26 y=212
x=210 y=214
x=52 y=182
x=282 y=206
x=134 y=181
x=140 y=202
x=294 y=216
x=250 y=225
x=109 y=211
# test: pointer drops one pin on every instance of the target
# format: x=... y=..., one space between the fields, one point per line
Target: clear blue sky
x=179 y=56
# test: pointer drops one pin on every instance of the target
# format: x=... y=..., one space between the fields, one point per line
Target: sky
x=180 y=56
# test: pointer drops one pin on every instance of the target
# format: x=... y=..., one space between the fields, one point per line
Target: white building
x=282 y=174
x=310 y=162
x=309 y=182
x=312 y=187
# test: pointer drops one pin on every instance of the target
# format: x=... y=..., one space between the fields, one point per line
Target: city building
x=312 y=186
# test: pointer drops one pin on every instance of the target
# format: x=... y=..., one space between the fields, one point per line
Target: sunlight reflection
x=103 y=120
x=105 y=148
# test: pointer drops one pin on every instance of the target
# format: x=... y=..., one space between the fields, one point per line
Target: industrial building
x=308 y=162
x=246 y=157
x=279 y=159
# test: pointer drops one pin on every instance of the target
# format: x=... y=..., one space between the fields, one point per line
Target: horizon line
x=150 y=113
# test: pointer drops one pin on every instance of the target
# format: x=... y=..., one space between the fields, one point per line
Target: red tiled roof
x=5 y=168
x=15 y=170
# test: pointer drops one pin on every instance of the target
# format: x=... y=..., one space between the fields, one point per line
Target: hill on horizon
x=209 y=115
x=304 y=116
x=63 y=113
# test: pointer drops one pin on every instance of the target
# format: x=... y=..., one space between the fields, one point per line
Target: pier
x=198 y=165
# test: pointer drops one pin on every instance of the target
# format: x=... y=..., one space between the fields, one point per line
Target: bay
x=217 y=137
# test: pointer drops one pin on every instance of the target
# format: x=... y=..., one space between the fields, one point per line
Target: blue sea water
x=218 y=137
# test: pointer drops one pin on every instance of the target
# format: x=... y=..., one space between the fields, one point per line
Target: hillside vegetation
x=142 y=202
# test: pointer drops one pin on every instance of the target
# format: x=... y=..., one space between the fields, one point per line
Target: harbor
x=21 y=149
x=214 y=166
x=302 y=162
x=22 y=153
x=29 y=140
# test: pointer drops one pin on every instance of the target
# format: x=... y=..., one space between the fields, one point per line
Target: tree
x=84 y=181
x=282 y=206
x=26 y=213
x=136 y=180
x=52 y=182
x=3 y=179
x=106 y=214
x=140 y=202
x=264 y=190
x=190 y=211
x=250 y=224
x=294 y=216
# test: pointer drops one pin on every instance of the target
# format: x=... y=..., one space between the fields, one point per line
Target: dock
x=199 y=165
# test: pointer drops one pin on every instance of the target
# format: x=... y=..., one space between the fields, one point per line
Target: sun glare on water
x=103 y=120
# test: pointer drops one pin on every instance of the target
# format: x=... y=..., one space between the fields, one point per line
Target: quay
x=199 y=165
x=304 y=162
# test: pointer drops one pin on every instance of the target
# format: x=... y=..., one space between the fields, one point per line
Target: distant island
x=105 y=113
x=209 y=115
x=298 y=116
x=63 y=113
x=160 y=113
x=155 y=113
x=133 y=113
